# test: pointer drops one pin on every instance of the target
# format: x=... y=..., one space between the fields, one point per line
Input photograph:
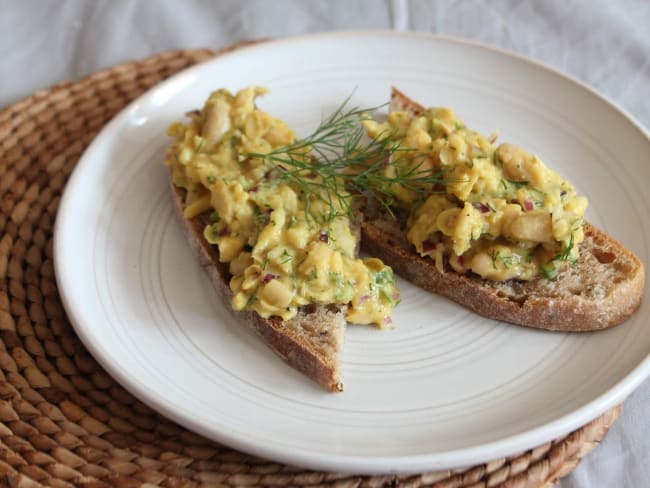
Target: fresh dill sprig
x=337 y=161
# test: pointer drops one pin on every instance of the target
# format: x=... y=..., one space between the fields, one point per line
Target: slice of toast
x=310 y=342
x=601 y=290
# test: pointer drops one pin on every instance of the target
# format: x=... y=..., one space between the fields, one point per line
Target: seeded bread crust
x=603 y=289
x=310 y=342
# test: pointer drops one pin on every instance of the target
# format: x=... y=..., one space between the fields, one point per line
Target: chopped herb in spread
x=280 y=217
x=504 y=216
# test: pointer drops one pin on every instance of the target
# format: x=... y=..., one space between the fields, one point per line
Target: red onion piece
x=438 y=188
x=427 y=245
x=269 y=276
x=323 y=237
x=482 y=207
x=528 y=205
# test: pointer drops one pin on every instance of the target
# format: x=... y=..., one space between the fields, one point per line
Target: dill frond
x=336 y=162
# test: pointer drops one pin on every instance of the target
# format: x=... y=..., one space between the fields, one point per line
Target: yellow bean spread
x=498 y=212
x=285 y=251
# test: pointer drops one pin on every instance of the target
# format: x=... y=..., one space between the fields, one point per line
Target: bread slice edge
x=572 y=313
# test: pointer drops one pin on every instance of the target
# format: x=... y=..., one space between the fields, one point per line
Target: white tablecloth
x=604 y=43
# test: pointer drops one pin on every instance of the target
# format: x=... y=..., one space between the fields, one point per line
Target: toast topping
x=286 y=248
x=500 y=213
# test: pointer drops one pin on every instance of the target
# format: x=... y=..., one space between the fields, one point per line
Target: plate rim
x=455 y=458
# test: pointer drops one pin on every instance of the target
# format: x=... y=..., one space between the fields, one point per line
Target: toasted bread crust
x=493 y=299
x=399 y=102
x=290 y=346
x=570 y=302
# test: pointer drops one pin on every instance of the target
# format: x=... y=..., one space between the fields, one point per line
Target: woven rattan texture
x=63 y=421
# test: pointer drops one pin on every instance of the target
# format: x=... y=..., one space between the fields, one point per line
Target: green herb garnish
x=250 y=301
x=506 y=183
x=388 y=297
x=549 y=270
x=496 y=160
x=286 y=257
x=336 y=278
x=494 y=255
x=565 y=253
x=334 y=163
x=509 y=260
x=383 y=277
x=506 y=259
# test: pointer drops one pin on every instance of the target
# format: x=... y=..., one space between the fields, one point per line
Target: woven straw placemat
x=63 y=420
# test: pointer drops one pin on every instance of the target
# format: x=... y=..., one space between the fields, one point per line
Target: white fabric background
x=604 y=43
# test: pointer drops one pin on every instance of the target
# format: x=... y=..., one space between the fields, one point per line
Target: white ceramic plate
x=446 y=387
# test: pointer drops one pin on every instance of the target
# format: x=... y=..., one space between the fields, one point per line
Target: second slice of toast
x=601 y=290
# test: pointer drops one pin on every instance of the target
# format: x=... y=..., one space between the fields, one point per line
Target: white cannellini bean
x=276 y=293
x=217 y=121
x=482 y=264
x=532 y=226
x=515 y=162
